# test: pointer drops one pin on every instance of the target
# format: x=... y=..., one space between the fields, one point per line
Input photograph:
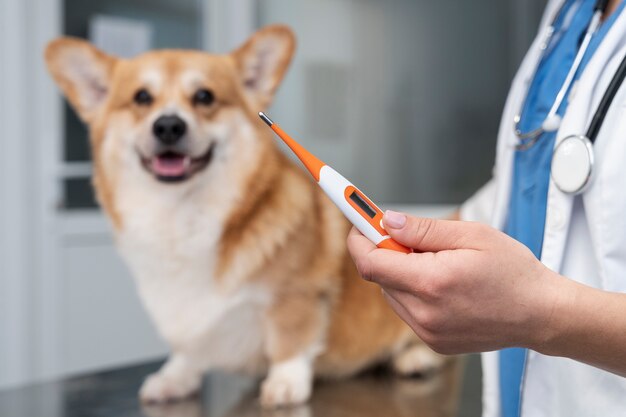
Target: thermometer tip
x=266 y=119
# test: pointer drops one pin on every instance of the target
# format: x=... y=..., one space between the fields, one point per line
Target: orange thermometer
x=355 y=205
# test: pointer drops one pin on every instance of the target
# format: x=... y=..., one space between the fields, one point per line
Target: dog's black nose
x=169 y=129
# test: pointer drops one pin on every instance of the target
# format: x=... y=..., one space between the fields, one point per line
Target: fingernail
x=394 y=219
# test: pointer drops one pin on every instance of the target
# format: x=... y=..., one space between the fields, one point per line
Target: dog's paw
x=279 y=392
x=417 y=360
x=161 y=387
x=289 y=383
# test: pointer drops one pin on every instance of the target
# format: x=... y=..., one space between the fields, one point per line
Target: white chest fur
x=171 y=241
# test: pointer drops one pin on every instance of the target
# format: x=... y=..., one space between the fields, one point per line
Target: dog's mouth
x=172 y=166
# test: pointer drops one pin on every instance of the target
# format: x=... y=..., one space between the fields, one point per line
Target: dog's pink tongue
x=170 y=165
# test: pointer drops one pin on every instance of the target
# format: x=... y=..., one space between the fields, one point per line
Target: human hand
x=468 y=287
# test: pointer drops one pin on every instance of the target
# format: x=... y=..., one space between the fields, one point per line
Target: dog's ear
x=82 y=71
x=262 y=62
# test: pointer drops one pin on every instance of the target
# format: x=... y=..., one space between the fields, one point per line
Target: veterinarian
x=545 y=299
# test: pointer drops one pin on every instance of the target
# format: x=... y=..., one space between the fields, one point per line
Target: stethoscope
x=573 y=158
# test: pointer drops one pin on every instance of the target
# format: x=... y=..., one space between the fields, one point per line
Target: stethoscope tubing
x=552 y=120
x=607 y=99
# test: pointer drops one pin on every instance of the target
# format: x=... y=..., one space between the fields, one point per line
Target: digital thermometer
x=355 y=205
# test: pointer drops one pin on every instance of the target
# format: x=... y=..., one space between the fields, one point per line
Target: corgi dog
x=239 y=258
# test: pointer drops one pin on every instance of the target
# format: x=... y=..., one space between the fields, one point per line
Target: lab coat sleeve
x=479 y=207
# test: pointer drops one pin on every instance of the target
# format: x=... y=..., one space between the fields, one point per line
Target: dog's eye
x=143 y=97
x=204 y=97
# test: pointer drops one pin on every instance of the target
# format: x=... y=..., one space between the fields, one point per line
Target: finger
x=359 y=244
x=403 y=297
x=359 y=248
x=402 y=312
x=399 y=308
x=432 y=235
x=405 y=272
x=397 y=270
x=415 y=302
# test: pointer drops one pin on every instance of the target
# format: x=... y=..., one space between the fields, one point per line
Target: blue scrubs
x=531 y=172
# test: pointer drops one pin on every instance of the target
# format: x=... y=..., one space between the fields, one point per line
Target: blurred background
x=402 y=96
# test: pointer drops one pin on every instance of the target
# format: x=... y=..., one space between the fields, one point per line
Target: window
x=173 y=24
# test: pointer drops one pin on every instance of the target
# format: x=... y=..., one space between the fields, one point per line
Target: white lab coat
x=584 y=238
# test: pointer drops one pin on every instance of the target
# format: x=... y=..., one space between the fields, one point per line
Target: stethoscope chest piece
x=572 y=164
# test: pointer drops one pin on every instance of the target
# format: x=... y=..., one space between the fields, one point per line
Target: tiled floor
x=114 y=393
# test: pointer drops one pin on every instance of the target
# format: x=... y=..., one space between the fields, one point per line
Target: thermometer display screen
x=362 y=204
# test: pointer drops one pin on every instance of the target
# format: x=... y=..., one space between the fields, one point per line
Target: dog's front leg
x=178 y=378
x=295 y=328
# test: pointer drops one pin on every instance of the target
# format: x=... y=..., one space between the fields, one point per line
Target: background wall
x=403 y=96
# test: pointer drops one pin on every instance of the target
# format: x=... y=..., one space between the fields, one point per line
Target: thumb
x=430 y=235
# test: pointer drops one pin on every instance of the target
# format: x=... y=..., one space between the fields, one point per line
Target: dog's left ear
x=262 y=62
